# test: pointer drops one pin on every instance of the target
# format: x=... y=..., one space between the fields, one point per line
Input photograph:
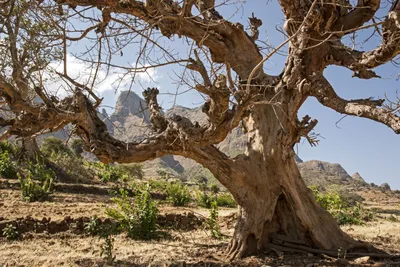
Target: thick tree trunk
x=276 y=200
x=270 y=192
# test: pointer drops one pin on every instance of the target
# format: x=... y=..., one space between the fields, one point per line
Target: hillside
x=130 y=121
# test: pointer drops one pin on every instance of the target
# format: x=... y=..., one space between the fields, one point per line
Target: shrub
x=178 y=194
x=7 y=166
x=75 y=167
x=213 y=221
x=226 y=200
x=10 y=232
x=204 y=199
x=163 y=174
x=138 y=220
x=159 y=185
x=109 y=173
x=340 y=209
x=106 y=250
x=214 y=189
x=38 y=184
x=133 y=170
x=92 y=227
x=53 y=147
x=77 y=147
x=7 y=146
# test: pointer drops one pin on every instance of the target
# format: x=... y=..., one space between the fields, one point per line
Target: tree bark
x=30 y=149
x=271 y=195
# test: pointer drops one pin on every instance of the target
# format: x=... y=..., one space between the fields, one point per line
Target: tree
x=27 y=45
x=225 y=65
x=77 y=147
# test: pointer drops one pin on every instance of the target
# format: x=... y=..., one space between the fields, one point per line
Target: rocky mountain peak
x=129 y=103
x=357 y=177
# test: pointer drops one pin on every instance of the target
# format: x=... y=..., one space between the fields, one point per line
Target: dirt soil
x=181 y=248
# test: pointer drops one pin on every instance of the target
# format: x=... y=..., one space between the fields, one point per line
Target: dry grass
x=70 y=250
x=67 y=249
x=383 y=234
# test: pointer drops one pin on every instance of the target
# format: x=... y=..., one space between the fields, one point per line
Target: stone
x=362 y=260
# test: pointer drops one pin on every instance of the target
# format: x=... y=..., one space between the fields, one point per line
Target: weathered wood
x=286 y=238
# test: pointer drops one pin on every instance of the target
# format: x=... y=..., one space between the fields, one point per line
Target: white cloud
x=116 y=79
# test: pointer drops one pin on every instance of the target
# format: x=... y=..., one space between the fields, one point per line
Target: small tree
x=139 y=220
x=77 y=147
x=54 y=147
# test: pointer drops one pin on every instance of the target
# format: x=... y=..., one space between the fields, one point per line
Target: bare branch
x=365 y=108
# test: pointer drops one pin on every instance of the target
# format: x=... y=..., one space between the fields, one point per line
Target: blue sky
x=359 y=145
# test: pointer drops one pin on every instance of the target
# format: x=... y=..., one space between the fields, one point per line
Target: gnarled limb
x=363 y=12
x=365 y=108
x=227 y=42
x=362 y=63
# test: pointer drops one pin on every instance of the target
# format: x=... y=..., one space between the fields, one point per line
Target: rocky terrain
x=130 y=121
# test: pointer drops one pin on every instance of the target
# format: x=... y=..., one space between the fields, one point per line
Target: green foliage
x=92 y=227
x=133 y=170
x=7 y=146
x=330 y=200
x=110 y=174
x=75 y=167
x=138 y=220
x=105 y=172
x=226 y=200
x=106 y=250
x=77 y=147
x=163 y=174
x=204 y=199
x=158 y=185
x=38 y=184
x=178 y=194
x=7 y=166
x=214 y=189
x=201 y=179
x=53 y=147
x=392 y=218
x=213 y=221
x=341 y=209
x=10 y=232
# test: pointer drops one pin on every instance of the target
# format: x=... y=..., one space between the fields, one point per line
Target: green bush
x=53 y=147
x=204 y=199
x=341 y=209
x=92 y=227
x=75 y=167
x=138 y=220
x=106 y=173
x=213 y=221
x=77 y=147
x=133 y=170
x=214 y=189
x=106 y=250
x=226 y=200
x=7 y=166
x=158 y=185
x=38 y=184
x=163 y=174
x=7 y=146
x=10 y=232
x=178 y=194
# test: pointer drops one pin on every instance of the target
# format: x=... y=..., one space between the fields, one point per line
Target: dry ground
x=182 y=248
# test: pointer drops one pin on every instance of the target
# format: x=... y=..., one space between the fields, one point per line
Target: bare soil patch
x=190 y=246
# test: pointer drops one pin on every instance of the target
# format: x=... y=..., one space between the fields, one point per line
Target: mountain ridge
x=130 y=121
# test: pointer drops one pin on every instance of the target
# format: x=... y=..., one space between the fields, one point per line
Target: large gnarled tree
x=264 y=180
